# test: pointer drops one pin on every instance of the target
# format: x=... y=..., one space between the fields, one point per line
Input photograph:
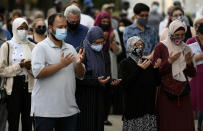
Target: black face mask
x=40 y=30
x=104 y=27
x=72 y=26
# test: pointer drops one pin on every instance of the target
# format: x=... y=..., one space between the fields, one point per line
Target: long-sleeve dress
x=90 y=100
x=196 y=83
x=172 y=117
x=139 y=88
x=89 y=96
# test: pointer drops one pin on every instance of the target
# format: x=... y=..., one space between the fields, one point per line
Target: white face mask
x=22 y=34
x=121 y=28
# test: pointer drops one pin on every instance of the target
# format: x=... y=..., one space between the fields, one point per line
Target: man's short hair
x=177 y=3
x=72 y=9
x=155 y=3
x=139 y=7
x=53 y=17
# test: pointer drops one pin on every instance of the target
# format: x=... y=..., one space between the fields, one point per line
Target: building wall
x=191 y=6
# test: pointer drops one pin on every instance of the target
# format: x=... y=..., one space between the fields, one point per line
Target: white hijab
x=179 y=65
x=24 y=43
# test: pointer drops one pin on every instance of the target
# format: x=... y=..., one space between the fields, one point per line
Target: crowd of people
x=72 y=69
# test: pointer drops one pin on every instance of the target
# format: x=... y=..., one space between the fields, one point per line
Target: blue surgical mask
x=142 y=21
x=155 y=8
x=61 y=34
x=97 y=48
x=1 y=24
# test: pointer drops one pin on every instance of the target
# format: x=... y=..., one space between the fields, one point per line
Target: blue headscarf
x=94 y=60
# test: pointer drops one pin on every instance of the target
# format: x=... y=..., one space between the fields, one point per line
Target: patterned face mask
x=181 y=18
x=138 y=52
x=177 y=39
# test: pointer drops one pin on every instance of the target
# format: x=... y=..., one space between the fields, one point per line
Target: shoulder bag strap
x=8 y=53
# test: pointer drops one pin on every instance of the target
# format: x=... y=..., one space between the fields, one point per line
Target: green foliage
x=98 y=3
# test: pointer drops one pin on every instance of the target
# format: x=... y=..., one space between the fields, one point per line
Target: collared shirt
x=54 y=95
x=149 y=36
x=77 y=37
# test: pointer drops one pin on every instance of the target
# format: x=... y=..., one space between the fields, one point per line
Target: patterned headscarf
x=130 y=47
x=179 y=65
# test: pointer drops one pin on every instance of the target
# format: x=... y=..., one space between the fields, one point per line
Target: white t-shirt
x=86 y=20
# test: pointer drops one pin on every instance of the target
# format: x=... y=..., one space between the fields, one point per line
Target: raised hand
x=80 y=56
x=157 y=63
x=149 y=57
x=68 y=59
x=106 y=34
x=199 y=57
x=188 y=57
x=116 y=82
x=144 y=65
x=26 y=64
x=100 y=79
x=172 y=58
x=115 y=47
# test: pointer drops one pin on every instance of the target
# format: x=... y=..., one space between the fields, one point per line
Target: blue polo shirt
x=75 y=38
x=149 y=36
